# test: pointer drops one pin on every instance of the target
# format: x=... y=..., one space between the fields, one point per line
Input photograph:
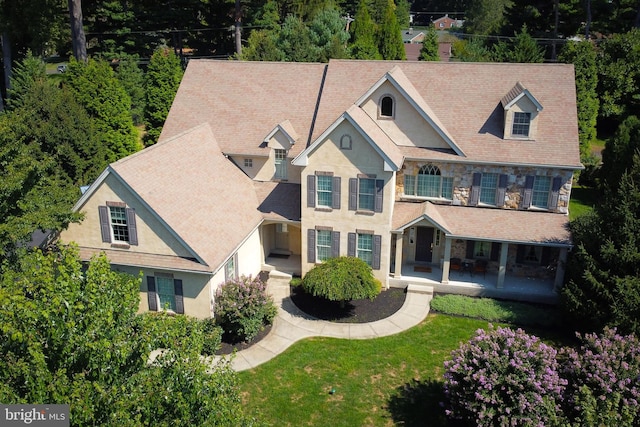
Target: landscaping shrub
x=243 y=308
x=342 y=279
x=164 y=330
x=212 y=337
x=604 y=380
x=503 y=377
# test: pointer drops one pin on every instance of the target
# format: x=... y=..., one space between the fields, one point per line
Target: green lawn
x=583 y=199
x=380 y=382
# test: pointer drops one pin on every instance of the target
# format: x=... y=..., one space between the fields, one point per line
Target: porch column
x=447 y=260
x=502 y=269
x=560 y=269
x=397 y=271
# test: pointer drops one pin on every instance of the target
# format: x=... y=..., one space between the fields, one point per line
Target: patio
x=465 y=283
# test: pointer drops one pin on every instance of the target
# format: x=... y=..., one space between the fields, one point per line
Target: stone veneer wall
x=463 y=175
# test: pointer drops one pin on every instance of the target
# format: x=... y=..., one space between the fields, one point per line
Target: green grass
x=380 y=382
x=582 y=201
x=515 y=313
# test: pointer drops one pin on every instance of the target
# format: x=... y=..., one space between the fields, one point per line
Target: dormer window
x=521 y=124
x=387 y=106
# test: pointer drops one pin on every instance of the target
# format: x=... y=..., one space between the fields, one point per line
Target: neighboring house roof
x=504 y=225
x=409 y=35
x=243 y=101
x=412 y=51
x=466 y=98
x=183 y=179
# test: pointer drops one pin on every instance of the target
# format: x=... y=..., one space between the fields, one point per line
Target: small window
x=324 y=191
x=230 y=269
x=323 y=245
x=345 y=142
x=521 y=124
x=365 y=248
x=248 y=163
x=442 y=25
x=119 y=224
x=481 y=249
x=533 y=254
x=386 y=106
x=540 y=193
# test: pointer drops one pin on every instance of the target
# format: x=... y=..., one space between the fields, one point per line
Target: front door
x=424 y=244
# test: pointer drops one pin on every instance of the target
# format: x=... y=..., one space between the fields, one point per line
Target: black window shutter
x=495 y=251
x=502 y=189
x=335 y=204
x=311 y=245
x=528 y=191
x=131 y=225
x=555 y=192
x=475 y=189
x=377 y=244
x=151 y=293
x=520 y=253
x=379 y=195
x=311 y=191
x=335 y=244
x=353 y=194
x=351 y=244
x=177 y=289
x=471 y=244
x=105 y=227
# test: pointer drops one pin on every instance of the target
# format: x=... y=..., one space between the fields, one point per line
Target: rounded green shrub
x=342 y=279
x=243 y=308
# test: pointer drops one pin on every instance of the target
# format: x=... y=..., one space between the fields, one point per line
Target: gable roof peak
x=286 y=128
x=515 y=94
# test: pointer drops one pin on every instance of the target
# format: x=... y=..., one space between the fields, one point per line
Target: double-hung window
x=488 y=187
x=118 y=224
x=324 y=191
x=540 y=192
x=165 y=293
x=364 y=250
x=521 y=124
x=323 y=245
x=366 y=194
x=367 y=246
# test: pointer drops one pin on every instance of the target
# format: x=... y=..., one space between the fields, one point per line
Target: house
x=411 y=36
x=426 y=170
x=446 y=22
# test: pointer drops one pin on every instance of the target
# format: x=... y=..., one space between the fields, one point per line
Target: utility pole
x=555 y=31
x=238 y=34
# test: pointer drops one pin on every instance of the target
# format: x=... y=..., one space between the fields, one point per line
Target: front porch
x=518 y=288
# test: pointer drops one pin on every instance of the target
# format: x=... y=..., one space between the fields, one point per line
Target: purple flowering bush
x=243 y=308
x=604 y=380
x=504 y=377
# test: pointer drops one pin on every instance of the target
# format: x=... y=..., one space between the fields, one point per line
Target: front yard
x=381 y=382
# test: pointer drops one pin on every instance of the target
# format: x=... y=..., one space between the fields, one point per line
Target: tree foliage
x=70 y=334
x=583 y=57
x=523 y=49
x=363 y=34
x=132 y=79
x=486 y=17
x=472 y=50
x=430 y=48
x=342 y=279
x=95 y=86
x=161 y=85
x=390 y=42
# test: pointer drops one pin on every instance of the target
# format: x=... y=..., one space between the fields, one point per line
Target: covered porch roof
x=490 y=224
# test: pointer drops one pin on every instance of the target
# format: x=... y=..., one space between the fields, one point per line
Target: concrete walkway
x=291 y=324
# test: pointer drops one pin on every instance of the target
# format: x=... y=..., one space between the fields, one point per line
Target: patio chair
x=455 y=264
x=480 y=266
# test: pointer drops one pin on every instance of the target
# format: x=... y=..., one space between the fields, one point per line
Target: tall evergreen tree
x=328 y=34
x=618 y=153
x=402 y=13
x=603 y=272
x=24 y=76
x=524 y=49
x=583 y=57
x=162 y=80
x=390 y=35
x=363 y=34
x=131 y=77
x=430 y=48
x=484 y=17
x=95 y=86
x=472 y=50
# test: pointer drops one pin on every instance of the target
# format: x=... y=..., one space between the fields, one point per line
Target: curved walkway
x=292 y=324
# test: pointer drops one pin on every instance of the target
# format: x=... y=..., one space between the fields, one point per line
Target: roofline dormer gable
x=286 y=128
x=516 y=94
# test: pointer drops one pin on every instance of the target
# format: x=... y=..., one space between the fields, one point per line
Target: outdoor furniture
x=456 y=264
x=480 y=266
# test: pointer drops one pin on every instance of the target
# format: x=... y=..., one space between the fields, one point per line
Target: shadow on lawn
x=420 y=403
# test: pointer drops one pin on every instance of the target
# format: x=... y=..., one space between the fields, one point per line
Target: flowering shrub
x=243 y=308
x=503 y=377
x=604 y=380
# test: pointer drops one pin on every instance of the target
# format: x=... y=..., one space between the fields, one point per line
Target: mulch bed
x=356 y=311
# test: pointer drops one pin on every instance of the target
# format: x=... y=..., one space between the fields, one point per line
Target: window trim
x=248 y=163
x=280 y=164
x=521 y=125
x=354 y=194
x=153 y=297
x=441 y=183
x=106 y=225
x=382 y=108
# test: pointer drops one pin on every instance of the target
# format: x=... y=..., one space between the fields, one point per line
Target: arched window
x=386 y=106
x=429 y=181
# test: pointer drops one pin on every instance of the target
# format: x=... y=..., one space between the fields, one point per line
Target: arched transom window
x=428 y=183
x=387 y=106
